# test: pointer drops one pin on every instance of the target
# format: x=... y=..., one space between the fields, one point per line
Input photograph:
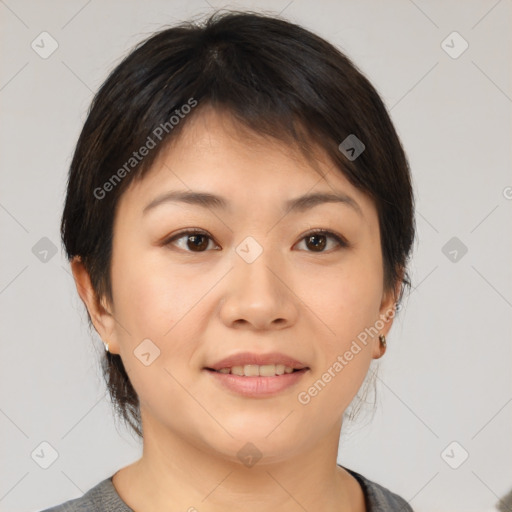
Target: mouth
x=254 y=370
x=257 y=375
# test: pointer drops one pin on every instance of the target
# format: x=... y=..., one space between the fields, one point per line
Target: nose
x=259 y=295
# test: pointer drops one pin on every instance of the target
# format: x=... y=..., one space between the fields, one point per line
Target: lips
x=248 y=363
x=254 y=375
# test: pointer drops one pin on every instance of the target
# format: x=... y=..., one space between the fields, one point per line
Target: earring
x=106 y=347
x=382 y=339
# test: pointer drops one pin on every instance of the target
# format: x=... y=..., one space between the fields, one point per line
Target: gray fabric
x=104 y=498
x=378 y=498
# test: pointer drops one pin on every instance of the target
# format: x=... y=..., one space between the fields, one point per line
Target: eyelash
x=342 y=243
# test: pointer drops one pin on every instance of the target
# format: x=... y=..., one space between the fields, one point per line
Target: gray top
x=104 y=498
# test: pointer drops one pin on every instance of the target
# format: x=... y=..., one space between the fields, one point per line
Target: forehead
x=214 y=153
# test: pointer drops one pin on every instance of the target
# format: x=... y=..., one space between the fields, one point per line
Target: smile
x=254 y=370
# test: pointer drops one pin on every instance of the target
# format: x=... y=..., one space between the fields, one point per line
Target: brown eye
x=316 y=241
x=198 y=242
x=194 y=241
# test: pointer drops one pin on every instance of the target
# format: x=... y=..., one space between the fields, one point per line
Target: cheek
x=159 y=302
x=152 y=303
x=151 y=296
x=347 y=300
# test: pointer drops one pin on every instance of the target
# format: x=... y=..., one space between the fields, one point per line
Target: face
x=195 y=283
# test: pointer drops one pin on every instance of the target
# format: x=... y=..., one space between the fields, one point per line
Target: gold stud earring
x=382 y=339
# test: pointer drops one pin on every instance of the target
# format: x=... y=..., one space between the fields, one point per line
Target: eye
x=196 y=240
x=317 y=240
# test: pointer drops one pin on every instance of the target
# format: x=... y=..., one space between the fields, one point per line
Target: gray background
x=446 y=375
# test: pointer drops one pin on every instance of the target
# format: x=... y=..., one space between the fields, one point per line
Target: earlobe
x=99 y=314
x=383 y=344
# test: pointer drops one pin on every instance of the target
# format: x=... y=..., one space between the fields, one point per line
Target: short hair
x=275 y=78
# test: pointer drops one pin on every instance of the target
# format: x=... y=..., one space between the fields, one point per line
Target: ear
x=387 y=312
x=101 y=317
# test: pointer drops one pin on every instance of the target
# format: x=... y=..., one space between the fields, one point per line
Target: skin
x=201 y=306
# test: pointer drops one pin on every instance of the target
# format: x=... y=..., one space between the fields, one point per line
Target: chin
x=265 y=439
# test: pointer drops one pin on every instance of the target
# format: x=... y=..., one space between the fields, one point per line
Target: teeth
x=267 y=370
x=253 y=370
x=279 y=369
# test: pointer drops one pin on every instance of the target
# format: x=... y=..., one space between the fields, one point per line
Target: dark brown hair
x=275 y=78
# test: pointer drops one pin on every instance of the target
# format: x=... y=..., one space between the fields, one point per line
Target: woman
x=239 y=217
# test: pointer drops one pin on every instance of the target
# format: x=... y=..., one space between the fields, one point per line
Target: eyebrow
x=212 y=201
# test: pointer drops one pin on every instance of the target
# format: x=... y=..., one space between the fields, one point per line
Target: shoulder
x=100 y=498
x=379 y=498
